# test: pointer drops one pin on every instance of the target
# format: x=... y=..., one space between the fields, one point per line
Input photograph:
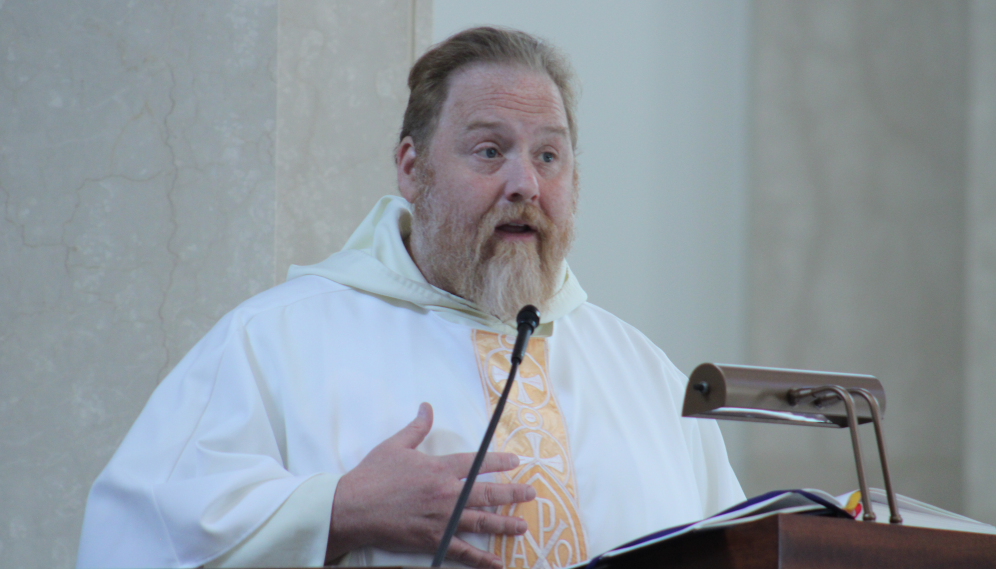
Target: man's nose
x=522 y=184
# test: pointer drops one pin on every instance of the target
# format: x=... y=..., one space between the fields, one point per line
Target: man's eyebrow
x=561 y=130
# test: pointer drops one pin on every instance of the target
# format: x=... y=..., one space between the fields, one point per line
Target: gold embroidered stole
x=533 y=427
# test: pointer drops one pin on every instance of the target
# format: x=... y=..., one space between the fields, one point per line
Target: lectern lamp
x=795 y=397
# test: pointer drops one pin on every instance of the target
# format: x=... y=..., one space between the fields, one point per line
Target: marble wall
x=857 y=231
x=155 y=161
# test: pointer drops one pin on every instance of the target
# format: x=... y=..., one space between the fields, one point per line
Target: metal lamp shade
x=763 y=395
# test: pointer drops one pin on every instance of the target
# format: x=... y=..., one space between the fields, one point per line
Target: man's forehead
x=491 y=125
x=480 y=96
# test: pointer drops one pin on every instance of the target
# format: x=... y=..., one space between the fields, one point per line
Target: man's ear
x=404 y=161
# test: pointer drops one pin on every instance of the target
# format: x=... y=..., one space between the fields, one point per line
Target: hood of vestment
x=376 y=261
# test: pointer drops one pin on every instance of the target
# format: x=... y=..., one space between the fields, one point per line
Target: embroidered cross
x=536 y=381
x=554 y=462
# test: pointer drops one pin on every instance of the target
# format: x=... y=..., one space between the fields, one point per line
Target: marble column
x=980 y=285
x=857 y=230
x=161 y=162
x=136 y=172
x=343 y=88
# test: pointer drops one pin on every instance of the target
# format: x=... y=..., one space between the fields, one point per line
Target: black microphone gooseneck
x=527 y=320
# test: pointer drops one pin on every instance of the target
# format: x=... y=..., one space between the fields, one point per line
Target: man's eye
x=491 y=153
x=547 y=157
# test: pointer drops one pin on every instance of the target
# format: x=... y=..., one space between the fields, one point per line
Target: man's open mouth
x=515 y=228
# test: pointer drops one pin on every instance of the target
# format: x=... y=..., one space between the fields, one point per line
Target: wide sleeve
x=296 y=535
x=199 y=471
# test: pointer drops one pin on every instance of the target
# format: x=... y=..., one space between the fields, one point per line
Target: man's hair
x=429 y=77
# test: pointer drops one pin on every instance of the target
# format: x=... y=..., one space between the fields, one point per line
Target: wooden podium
x=810 y=542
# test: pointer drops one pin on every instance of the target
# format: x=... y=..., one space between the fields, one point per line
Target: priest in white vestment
x=296 y=432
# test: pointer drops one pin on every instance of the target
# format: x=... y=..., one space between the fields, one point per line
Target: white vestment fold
x=305 y=379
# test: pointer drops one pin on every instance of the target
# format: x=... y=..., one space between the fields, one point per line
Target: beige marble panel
x=856 y=256
x=980 y=301
x=342 y=90
x=137 y=179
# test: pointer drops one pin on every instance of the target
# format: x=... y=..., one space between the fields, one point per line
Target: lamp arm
x=794 y=395
x=894 y=517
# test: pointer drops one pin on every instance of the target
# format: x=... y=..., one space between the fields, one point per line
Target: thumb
x=415 y=432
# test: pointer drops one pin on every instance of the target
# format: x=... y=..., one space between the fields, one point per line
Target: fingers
x=492 y=494
x=471 y=556
x=480 y=521
x=415 y=432
x=460 y=463
x=498 y=462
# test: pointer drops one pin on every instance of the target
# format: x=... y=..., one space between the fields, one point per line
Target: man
x=281 y=438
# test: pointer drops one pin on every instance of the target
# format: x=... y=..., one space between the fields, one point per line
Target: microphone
x=526 y=321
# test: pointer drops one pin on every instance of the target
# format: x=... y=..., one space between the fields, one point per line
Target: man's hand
x=399 y=499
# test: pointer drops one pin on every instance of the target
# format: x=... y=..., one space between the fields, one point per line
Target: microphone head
x=528 y=316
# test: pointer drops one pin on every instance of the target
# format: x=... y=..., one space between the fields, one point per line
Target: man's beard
x=464 y=256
